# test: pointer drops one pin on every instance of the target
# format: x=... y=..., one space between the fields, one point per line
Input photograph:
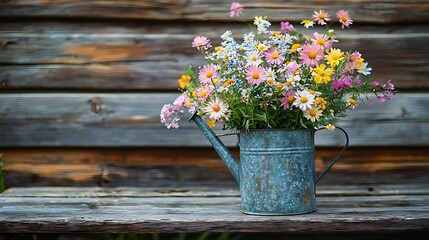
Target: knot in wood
x=96 y=105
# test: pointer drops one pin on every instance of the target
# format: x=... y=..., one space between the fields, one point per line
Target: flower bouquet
x=278 y=78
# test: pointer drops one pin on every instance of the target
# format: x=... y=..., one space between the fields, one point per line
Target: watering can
x=276 y=170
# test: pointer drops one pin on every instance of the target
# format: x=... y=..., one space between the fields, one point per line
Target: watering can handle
x=338 y=156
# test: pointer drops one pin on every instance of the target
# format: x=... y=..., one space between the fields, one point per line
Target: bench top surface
x=369 y=208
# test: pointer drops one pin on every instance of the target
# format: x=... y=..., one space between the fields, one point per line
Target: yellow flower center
x=290 y=99
x=321 y=16
x=335 y=57
x=274 y=55
x=352 y=101
x=227 y=83
x=216 y=107
x=289 y=83
x=304 y=99
x=352 y=59
x=255 y=75
x=209 y=74
x=313 y=112
x=271 y=81
x=203 y=93
x=320 y=41
x=254 y=58
x=312 y=55
x=344 y=18
x=295 y=46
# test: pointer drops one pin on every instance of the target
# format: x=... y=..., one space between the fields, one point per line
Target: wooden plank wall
x=82 y=84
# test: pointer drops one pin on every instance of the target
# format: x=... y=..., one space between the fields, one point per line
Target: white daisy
x=217 y=109
x=271 y=75
x=313 y=113
x=253 y=58
x=303 y=100
x=364 y=69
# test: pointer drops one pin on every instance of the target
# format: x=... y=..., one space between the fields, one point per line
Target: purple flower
x=380 y=97
x=181 y=100
x=390 y=86
x=342 y=83
x=168 y=116
x=286 y=27
x=358 y=81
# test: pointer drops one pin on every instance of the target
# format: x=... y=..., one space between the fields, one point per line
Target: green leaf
x=182 y=236
x=203 y=236
x=302 y=123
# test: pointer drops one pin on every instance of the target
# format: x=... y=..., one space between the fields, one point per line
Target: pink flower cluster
x=236 y=9
x=170 y=112
x=385 y=91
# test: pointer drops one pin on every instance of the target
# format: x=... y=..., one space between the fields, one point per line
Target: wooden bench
x=367 y=209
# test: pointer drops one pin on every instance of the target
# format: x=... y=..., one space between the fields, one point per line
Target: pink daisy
x=204 y=92
x=201 y=41
x=292 y=67
x=255 y=75
x=311 y=54
x=353 y=60
x=321 y=16
x=285 y=27
x=274 y=56
x=236 y=9
x=344 y=18
x=288 y=99
x=322 y=40
x=207 y=73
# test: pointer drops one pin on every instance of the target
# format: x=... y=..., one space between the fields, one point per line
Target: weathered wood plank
x=381 y=11
x=197 y=167
x=213 y=214
x=161 y=10
x=87 y=56
x=88 y=119
x=133 y=192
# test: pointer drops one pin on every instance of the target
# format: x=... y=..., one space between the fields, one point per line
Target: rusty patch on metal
x=307 y=197
x=258 y=184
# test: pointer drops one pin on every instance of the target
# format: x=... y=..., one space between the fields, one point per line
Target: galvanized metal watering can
x=276 y=169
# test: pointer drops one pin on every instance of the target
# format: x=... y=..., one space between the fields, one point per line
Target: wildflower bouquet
x=276 y=79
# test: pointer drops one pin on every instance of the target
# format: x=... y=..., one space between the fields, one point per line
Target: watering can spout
x=218 y=145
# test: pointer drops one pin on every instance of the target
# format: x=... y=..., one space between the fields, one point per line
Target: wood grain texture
x=88 y=119
x=153 y=56
x=381 y=11
x=130 y=192
x=195 y=213
x=197 y=167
